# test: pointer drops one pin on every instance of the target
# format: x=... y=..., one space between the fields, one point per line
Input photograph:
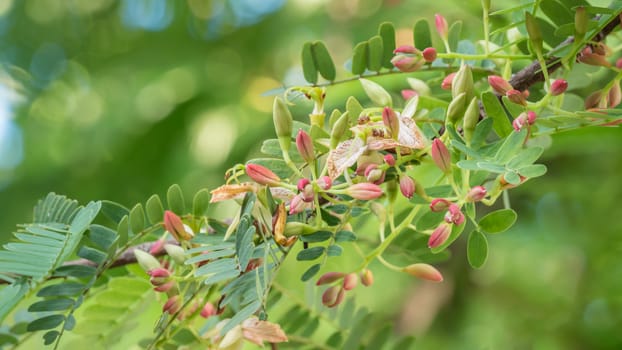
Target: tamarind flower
x=476 y=194
x=454 y=215
x=558 y=87
x=447 y=81
x=262 y=175
x=439 y=235
x=424 y=271
x=364 y=191
x=499 y=85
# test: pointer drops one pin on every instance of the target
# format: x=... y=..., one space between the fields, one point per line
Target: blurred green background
x=105 y=99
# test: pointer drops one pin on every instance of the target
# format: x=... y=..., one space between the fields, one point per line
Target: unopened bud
x=172 y=305
x=376 y=93
x=441 y=26
x=429 y=54
x=615 y=95
x=447 y=82
x=407 y=94
x=558 y=87
x=531 y=117
x=340 y=127
x=517 y=97
x=440 y=155
x=262 y=175
x=471 y=117
x=367 y=278
x=499 y=85
x=147 y=261
x=163 y=287
x=174 y=225
x=619 y=63
x=208 y=310
x=156 y=247
x=373 y=174
x=329 y=277
x=595 y=100
x=307 y=194
x=325 y=183
x=408 y=49
x=456 y=108
x=176 y=252
x=364 y=191
x=282 y=118
x=454 y=215
x=463 y=83
x=439 y=204
x=391 y=122
x=476 y=194
x=581 y=22
x=302 y=183
x=296 y=205
x=350 y=281
x=407 y=63
x=407 y=186
x=330 y=297
x=304 y=144
x=389 y=159
x=439 y=235
x=593 y=59
x=159 y=272
x=424 y=271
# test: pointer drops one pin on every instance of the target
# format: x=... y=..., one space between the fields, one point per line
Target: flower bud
x=367 y=278
x=208 y=310
x=408 y=49
x=174 y=225
x=146 y=260
x=615 y=95
x=439 y=235
x=156 y=247
x=324 y=183
x=163 y=287
x=619 y=63
x=596 y=100
x=282 y=118
x=407 y=186
x=517 y=97
x=424 y=271
x=304 y=144
x=307 y=194
x=454 y=215
x=441 y=26
x=456 y=107
x=176 y=252
x=302 y=183
x=440 y=155
x=373 y=174
x=463 y=83
x=339 y=128
x=558 y=87
x=499 y=85
x=407 y=94
x=331 y=295
x=389 y=159
x=439 y=204
x=172 y=305
x=407 y=63
x=350 y=281
x=159 y=272
x=296 y=205
x=592 y=58
x=581 y=22
x=531 y=117
x=429 y=54
x=364 y=191
x=471 y=117
x=476 y=194
x=262 y=175
x=447 y=82
x=391 y=122
x=329 y=277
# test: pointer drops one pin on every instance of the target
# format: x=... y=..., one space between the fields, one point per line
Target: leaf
x=534 y=170
x=345 y=236
x=244 y=244
x=311 y=271
x=525 y=157
x=375 y=53
x=494 y=110
x=155 y=210
x=240 y=316
x=310 y=253
x=102 y=236
x=137 y=219
x=482 y=130
x=421 y=34
x=359 y=59
x=200 y=202
x=512 y=178
x=323 y=61
x=477 y=249
x=61 y=289
x=58 y=304
x=175 y=200
x=455 y=30
x=308 y=63
x=376 y=93
x=78 y=271
x=319 y=236
x=491 y=167
x=497 y=221
x=334 y=250
x=123 y=230
x=114 y=211
x=46 y=322
x=55 y=208
x=511 y=146
x=386 y=30
x=556 y=12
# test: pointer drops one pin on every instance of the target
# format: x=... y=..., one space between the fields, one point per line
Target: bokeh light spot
x=214 y=135
x=152 y=15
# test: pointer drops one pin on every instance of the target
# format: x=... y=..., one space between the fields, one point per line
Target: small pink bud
x=307 y=194
x=159 y=272
x=619 y=63
x=439 y=235
x=157 y=247
x=367 y=278
x=208 y=310
x=409 y=49
x=389 y=159
x=164 y=287
x=296 y=205
x=373 y=174
x=615 y=95
x=172 y=305
x=329 y=297
x=391 y=122
x=439 y=204
x=407 y=186
x=429 y=54
x=407 y=63
x=454 y=215
x=350 y=281
x=448 y=81
x=262 y=175
x=596 y=100
x=499 y=85
x=518 y=124
x=325 y=183
x=304 y=144
x=531 y=117
x=441 y=26
x=407 y=94
x=329 y=277
x=558 y=87
x=364 y=191
x=476 y=194
x=516 y=97
x=302 y=183
x=424 y=271
x=174 y=225
x=593 y=59
x=440 y=155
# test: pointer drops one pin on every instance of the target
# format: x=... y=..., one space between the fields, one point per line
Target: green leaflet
x=498 y=221
x=323 y=62
x=375 y=52
x=154 y=209
x=137 y=219
x=359 y=59
x=386 y=31
x=422 y=36
x=308 y=63
x=175 y=200
x=494 y=110
x=477 y=249
x=200 y=202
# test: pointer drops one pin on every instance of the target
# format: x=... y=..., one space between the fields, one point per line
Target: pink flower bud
x=441 y=26
x=447 y=82
x=364 y=191
x=407 y=94
x=262 y=175
x=157 y=247
x=476 y=194
x=350 y=281
x=439 y=204
x=367 y=278
x=307 y=194
x=596 y=100
x=531 y=117
x=408 y=49
x=518 y=124
x=325 y=183
x=330 y=296
x=164 y=287
x=429 y=54
x=499 y=85
x=172 y=305
x=296 y=205
x=619 y=63
x=407 y=63
x=440 y=155
x=329 y=277
x=391 y=122
x=407 y=186
x=615 y=95
x=593 y=59
x=302 y=183
x=516 y=97
x=558 y=87
x=304 y=144
x=373 y=174
x=424 y=271
x=454 y=215
x=389 y=159
x=174 y=225
x=439 y=235
x=208 y=310
x=159 y=272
